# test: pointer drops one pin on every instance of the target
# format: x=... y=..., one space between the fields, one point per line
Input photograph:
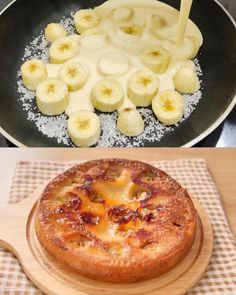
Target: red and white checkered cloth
x=220 y=277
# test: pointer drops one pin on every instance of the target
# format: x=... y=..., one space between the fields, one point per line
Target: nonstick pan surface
x=23 y=19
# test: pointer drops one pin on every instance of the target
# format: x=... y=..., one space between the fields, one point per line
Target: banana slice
x=156 y=58
x=33 y=72
x=154 y=22
x=142 y=87
x=186 y=80
x=107 y=95
x=86 y=19
x=126 y=104
x=74 y=75
x=55 y=31
x=127 y=34
x=121 y=14
x=52 y=70
x=84 y=128
x=196 y=46
x=113 y=64
x=52 y=97
x=130 y=122
x=132 y=30
x=168 y=107
x=62 y=50
x=189 y=64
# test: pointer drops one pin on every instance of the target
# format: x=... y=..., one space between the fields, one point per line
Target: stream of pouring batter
x=183 y=19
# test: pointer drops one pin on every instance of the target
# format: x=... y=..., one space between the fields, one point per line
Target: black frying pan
x=25 y=18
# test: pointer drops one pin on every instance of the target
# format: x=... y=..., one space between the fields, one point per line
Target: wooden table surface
x=221 y=163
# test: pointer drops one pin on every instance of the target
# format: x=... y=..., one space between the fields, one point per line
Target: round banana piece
x=196 y=46
x=154 y=22
x=156 y=58
x=189 y=64
x=132 y=30
x=73 y=74
x=121 y=14
x=186 y=80
x=33 y=72
x=168 y=107
x=54 y=31
x=113 y=63
x=129 y=33
x=62 y=50
x=107 y=95
x=126 y=104
x=52 y=97
x=84 y=128
x=86 y=19
x=142 y=87
x=130 y=122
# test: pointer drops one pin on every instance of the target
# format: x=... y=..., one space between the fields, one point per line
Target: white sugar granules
x=56 y=127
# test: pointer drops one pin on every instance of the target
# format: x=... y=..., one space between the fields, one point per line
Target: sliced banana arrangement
x=123 y=57
x=130 y=122
x=127 y=35
x=186 y=80
x=142 y=87
x=156 y=58
x=121 y=14
x=107 y=95
x=62 y=50
x=55 y=31
x=73 y=74
x=52 y=97
x=154 y=22
x=84 y=128
x=86 y=19
x=168 y=106
x=33 y=72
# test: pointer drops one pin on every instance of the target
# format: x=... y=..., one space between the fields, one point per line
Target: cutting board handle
x=13 y=219
x=8 y=224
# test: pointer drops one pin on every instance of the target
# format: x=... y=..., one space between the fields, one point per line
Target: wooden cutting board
x=17 y=234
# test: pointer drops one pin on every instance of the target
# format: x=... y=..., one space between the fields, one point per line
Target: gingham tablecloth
x=220 y=277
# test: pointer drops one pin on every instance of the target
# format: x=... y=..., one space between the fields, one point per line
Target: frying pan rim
x=188 y=144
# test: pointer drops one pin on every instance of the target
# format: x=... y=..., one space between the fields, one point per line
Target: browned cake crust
x=116 y=220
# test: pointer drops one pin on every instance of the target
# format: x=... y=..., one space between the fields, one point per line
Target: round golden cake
x=116 y=220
